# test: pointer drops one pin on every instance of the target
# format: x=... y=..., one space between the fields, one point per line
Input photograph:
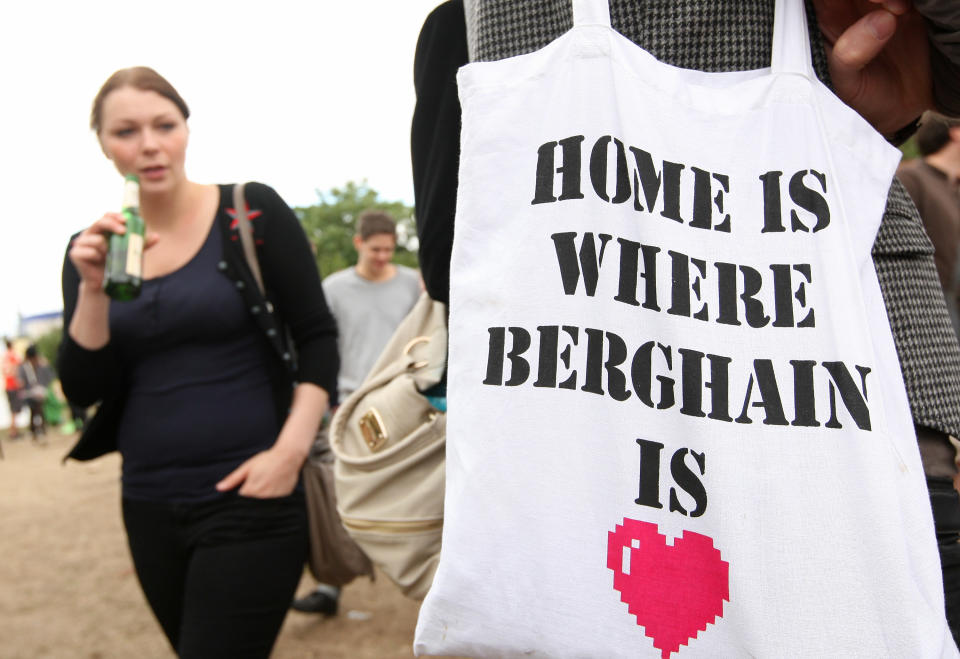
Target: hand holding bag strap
x=246 y=234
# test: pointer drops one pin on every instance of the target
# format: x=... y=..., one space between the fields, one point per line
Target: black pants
x=219 y=575
x=946 y=520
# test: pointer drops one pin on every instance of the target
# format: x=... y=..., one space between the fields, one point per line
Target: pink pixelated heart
x=674 y=592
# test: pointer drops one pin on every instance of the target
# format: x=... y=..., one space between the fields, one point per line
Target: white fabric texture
x=676 y=419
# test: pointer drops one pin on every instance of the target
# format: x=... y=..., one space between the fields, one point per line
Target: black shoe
x=319 y=601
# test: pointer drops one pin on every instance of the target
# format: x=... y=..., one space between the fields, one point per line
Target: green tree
x=330 y=225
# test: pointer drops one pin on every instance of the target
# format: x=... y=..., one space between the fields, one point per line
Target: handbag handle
x=246 y=234
x=245 y=229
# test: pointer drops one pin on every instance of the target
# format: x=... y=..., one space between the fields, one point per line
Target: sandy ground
x=67 y=587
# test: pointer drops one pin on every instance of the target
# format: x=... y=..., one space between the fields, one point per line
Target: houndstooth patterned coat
x=737 y=35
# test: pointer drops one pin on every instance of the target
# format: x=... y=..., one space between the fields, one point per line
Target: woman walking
x=198 y=390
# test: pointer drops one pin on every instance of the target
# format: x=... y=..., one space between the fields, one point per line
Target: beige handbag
x=389 y=443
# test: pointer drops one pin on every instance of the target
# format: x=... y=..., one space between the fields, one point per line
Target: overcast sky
x=301 y=95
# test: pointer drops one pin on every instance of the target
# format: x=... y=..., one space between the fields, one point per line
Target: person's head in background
x=375 y=241
x=937 y=132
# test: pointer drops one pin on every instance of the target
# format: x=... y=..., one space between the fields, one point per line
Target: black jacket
x=294 y=301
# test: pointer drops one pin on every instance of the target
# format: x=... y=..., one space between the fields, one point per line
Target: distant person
x=933 y=181
x=197 y=388
x=368 y=300
x=35 y=375
x=12 y=386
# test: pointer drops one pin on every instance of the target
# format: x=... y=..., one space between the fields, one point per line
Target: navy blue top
x=199 y=397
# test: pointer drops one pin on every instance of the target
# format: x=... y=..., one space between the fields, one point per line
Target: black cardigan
x=294 y=300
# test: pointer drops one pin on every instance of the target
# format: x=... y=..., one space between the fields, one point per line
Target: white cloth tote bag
x=677 y=424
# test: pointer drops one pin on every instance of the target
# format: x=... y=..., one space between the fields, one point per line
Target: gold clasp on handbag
x=413 y=342
x=373 y=429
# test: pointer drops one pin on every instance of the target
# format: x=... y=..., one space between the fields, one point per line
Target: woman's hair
x=139 y=77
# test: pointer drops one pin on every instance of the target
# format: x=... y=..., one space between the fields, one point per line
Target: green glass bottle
x=123 y=273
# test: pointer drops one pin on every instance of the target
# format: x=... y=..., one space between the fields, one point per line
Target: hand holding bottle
x=110 y=253
x=88 y=251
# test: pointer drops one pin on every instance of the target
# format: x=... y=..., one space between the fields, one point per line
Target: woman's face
x=144 y=133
